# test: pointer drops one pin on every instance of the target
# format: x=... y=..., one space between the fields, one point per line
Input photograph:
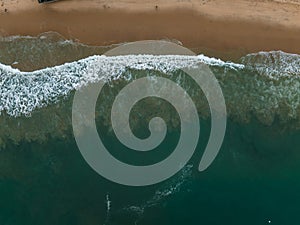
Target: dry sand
x=217 y=27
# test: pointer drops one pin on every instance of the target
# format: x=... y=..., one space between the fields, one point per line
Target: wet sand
x=217 y=27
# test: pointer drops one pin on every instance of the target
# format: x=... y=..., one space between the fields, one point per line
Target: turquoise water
x=45 y=180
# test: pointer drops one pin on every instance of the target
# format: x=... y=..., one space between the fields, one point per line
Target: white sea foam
x=23 y=92
x=274 y=64
x=175 y=185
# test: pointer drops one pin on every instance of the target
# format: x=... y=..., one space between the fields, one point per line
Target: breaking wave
x=23 y=92
x=263 y=86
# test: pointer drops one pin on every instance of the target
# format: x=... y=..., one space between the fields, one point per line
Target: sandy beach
x=216 y=27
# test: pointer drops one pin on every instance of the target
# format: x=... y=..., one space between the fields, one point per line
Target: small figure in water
x=108 y=203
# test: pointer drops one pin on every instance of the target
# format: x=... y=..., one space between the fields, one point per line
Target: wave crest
x=263 y=85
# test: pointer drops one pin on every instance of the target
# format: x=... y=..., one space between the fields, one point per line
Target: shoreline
x=204 y=28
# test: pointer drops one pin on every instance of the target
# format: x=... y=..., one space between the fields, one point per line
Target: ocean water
x=44 y=179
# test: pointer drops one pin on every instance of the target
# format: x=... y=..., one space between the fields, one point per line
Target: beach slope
x=219 y=27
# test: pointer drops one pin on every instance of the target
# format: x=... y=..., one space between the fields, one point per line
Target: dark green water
x=254 y=179
x=44 y=180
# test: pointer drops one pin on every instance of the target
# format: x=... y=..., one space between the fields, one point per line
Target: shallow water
x=45 y=180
